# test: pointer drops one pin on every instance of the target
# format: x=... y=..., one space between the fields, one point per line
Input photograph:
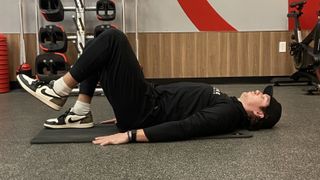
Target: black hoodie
x=187 y=110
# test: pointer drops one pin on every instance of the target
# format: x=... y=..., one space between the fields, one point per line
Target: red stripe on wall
x=309 y=17
x=204 y=16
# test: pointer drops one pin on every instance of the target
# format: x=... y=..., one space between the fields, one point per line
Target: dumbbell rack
x=80 y=37
x=79 y=19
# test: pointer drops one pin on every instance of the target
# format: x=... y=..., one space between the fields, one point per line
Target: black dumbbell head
x=52 y=38
x=106 y=10
x=52 y=10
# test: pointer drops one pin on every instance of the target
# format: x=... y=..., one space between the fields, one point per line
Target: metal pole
x=80 y=23
x=37 y=25
x=69 y=8
x=22 y=45
x=90 y=8
x=137 y=29
x=123 y=17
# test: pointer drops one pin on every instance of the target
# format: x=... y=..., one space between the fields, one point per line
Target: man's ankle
x=61 y=88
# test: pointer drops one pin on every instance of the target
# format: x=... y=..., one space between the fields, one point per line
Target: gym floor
x=288 y=151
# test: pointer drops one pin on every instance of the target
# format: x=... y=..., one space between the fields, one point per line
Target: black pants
x=110 y=59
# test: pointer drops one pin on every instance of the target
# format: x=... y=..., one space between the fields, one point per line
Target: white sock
x=81 y=108
x=61 y=88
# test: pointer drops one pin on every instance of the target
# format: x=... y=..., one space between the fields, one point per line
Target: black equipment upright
x=306 y=55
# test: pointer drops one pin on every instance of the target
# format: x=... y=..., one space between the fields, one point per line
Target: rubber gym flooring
x=289 y=151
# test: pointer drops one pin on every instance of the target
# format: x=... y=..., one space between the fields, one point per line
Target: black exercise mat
x=50 y=136
x=235 y=134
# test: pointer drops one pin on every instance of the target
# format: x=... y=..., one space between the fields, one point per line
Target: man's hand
x=119 y=138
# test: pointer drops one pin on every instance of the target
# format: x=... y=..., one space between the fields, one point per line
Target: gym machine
x=306 y=57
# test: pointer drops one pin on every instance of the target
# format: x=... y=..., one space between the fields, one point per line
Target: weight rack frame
x=80 y=37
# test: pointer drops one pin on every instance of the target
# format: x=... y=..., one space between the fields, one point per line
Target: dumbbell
x=51 y=66
x=52 y=10
x=53 y=38
x=106 y=10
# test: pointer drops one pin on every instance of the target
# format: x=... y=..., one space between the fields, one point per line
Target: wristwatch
x=132 y=135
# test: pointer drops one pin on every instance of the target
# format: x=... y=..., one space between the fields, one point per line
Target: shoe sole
x=45 y=101
x=79 y=126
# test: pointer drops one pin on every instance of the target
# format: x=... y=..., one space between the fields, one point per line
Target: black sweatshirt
x=187 y=110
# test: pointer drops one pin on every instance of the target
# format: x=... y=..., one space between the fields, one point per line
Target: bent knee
x=112 y=32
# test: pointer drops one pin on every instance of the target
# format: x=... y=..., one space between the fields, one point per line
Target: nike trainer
x=70 y=120
x=44 y=92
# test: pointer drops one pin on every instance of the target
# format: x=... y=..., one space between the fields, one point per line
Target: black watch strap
x=132 y=135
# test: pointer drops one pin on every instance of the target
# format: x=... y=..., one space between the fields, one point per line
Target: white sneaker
x=70 y=120
x=44 y=92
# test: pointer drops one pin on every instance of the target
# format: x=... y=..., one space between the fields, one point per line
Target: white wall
x=158 y=15
x=254 y=15
x=9 y=16
x=10 y=20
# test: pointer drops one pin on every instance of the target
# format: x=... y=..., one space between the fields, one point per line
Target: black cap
x=272 y=113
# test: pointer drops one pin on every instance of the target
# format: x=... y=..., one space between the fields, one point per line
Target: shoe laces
x=38 y=83
x=64 y=115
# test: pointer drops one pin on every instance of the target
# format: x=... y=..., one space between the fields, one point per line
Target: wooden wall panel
x=233 y=54
x=192 y=55
x=201 y=50
x=242 y=53
x=177 y=63
x=214 y=54
x=14 y=52
x=166 y=65
x=265 y=54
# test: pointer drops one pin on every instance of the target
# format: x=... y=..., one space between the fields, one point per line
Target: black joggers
x=110 y=59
